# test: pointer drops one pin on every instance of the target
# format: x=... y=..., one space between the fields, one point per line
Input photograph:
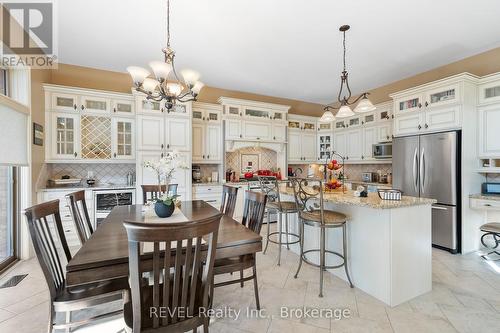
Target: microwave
x=382 y=150
x=490 y=188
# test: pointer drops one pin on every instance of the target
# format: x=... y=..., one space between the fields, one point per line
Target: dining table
x=104 y=256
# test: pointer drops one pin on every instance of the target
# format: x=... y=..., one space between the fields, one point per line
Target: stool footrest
x=283 y=233
x=326 y=251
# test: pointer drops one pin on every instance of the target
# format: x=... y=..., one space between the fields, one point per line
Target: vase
x=163 y=210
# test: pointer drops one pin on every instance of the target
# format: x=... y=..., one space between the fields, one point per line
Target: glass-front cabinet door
x=340 y=124
x=95 y=137
x=309 y=126
x=150 y=107
x=279 y=116
x=123 y=107
x=232 y=111
x=324 y=126
x=293 y=124
x=257 y=113
x=95 y=104
x=368 y=119
x=409 y=104
x=384 y=115
x=212 y=116
x=198 y=115
x=353 y=122
x=325 y=147
x=443 y=95
x=123 y=138
x=64 y=102
x=65 y=136
x=179 y=109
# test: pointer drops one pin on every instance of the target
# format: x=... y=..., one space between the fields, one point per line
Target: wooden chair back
x=254 y=210
x=228 y=203
x=39 y=219
x=155 y=191
x=80 y=214
x=308 y=193
x=182 y=271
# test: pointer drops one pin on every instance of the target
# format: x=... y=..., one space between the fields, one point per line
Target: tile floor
x=465 y=298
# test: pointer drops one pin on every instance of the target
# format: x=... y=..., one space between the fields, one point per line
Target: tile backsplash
x=267 y=158
x=354 y=171
x=103 y=173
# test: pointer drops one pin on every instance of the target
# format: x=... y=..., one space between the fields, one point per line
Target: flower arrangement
x=165 y=167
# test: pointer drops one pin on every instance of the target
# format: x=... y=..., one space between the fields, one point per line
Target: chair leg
x=268 y=227
x=212 y=293
x=286 y=231
x=68 y=321
x=280 y=231
x=256 y=286
x=321 y=261
x=344 y=241
x=301 y=238
x=242 y=283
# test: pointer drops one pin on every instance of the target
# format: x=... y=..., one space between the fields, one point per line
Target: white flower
x=166 y=166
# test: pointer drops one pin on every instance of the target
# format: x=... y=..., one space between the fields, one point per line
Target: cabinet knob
x=203 y=156
x=241 y=114
x=203 y=118
x=162 y=146
x=114 y=155
x=75 y=154
x=114 y=110
x=168 y=146
x=362 y=123
x=362 y=157
x=426 y=104
x=274 y=138
x=241 y=136
x=419 y=127
x=161 y=155
x=387 y=137
x=83 y=107
x=419 y=105
x=426 y=126
x=208 y=157
x=75 y=106
x=258 y=138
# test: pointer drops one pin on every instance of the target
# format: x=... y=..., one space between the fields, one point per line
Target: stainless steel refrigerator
x=428 y=166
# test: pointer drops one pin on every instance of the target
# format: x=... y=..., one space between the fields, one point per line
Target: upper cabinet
x=433 y=107
x=488 y=90
x=253 y=121
x=88 y=125
x=207 y=133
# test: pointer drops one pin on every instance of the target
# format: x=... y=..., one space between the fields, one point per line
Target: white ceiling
x=283 y=48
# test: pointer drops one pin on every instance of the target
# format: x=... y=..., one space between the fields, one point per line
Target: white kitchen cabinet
x=384 y=133
x=294 y=147
x=122 y=107
x=442 y=118
x=354 y=145
x=178 y=133
x=279 y=132
x=123 y=139
x=64 y=102
x=64 y=131
x=257 y=130
x=354 y=122
x=150 y=132
x=489 y=92
x=183 y=177
x=444 y=95
x=211 y=194
x=309 y=147
x=95 y=104
x=408 y=104
x=198 y=142
x=489 y=131
x=233 y=129
x=370 y=137
x=340 y=143
x=324 y=145
x=149 y=107
x=214 y=143
x=409 y=124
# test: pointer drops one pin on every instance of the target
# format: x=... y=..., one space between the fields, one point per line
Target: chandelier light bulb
x=327 y=117
x=174 y=88
x=344 y=112
x=138 y=74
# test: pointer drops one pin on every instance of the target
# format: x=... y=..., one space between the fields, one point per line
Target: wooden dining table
x=104 y=256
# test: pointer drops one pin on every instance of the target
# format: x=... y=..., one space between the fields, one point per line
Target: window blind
x=14 y=135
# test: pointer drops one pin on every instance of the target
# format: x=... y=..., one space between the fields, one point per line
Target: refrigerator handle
x=422 y=171
x=415 y=167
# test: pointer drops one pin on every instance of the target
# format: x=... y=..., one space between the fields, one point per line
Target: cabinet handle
x=487 y=205
x=161 y=109
x=241 y=114
x=362 y=157
x=426 y=104
x=392 y=116
x=258 y=138
x=347 y=158
x=426 y=126
x=203 y=156
x=114 y=155
x=274 y=138
x=419 y=105
x=241 y=136
x=387 y=117
x=387 y=137
x=75 y=154
x=419 y=127
x=161 y=155
x=114 y=110
x=83 y=107
x=208 y=157
x=362 y=123
x=162 y=146
x=75 y=106
x=168 y=145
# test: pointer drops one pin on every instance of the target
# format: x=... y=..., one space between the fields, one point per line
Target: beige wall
x=71 y=75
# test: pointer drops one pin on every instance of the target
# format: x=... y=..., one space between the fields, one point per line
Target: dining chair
x=181 y=263
x=79 y=212
x=253 y=215
x=228 y=202
x=43 y=221
x=309 y=198
x=270 y=186
x=156 y=191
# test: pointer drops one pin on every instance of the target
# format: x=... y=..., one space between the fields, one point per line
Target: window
x=7 y=215
x=3 y=81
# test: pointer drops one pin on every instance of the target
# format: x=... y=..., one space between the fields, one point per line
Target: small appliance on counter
x=369 y=177
x=196 y=174
x=90 y=178
x=490 y=188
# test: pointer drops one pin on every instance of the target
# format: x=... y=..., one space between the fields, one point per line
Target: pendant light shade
x=138 y=74
x=364 y=105
x=327 y=117
x=161 y=69
x=150 y=85
x=344 y=112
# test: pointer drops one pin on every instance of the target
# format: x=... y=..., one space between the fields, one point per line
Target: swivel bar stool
x=310 y=206
x=270 y=186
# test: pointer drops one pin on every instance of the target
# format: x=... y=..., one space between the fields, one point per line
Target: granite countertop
x=368 y=183
x=372 y=201
x=85 y=187
x=208 y=184
x=485 y=196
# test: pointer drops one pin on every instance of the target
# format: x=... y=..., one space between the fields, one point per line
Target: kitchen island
x=389 y=243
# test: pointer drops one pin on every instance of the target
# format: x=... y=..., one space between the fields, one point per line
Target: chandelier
x=364 y=104
x=166 y=85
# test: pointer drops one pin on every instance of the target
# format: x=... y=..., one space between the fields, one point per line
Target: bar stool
x=270 y=186
x=491 y=229
x=310 y=205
